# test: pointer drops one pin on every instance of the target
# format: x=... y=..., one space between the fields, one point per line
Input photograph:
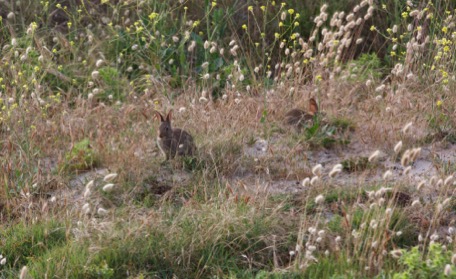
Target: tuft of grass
x=355 y=164
x=24 y=242
x=81 y=157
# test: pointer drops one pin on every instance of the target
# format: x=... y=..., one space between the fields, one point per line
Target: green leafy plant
x=80 y=158
x=430 y=265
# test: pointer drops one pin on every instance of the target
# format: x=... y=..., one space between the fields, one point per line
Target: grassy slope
x=79 y=87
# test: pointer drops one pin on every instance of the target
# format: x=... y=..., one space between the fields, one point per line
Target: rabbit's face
x=165 y=131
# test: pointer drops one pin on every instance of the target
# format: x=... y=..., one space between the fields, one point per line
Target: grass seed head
x=447 y=271
x=319 y=199
x=110 y=177
x=396 y=253
x=407 y=127
x=374 y=156
x=316 y=170
x=24 y=273
x=398 y=147
x=108 y=187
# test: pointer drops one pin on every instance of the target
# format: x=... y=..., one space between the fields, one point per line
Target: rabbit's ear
x=159 y=116
x=168 y=117
x=313 y=107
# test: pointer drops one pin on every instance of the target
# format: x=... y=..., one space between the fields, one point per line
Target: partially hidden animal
x=173 y=141
x=299 y=117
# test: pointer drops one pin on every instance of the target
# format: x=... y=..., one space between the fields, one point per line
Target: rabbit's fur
x=175 y=141
x=299 y=117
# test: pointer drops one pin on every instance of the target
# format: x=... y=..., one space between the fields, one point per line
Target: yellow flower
x=250 y=8
x=244 y=27
x=439 y=103
x=152 y=16
x=283 y=4
x=277 y=35
x=444 y=29
x=296 y=24
x=280 y=24
x=214 y=4
x=373 y=28
x=405 y=14
x=263 y=8
x=291 y=11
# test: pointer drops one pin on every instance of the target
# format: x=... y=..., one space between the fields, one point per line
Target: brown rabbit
x=173 y=141
x=299 y=117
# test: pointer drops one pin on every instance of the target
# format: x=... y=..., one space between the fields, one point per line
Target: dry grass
x=252 y=202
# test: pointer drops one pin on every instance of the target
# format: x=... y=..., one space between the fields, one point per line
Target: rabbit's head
x=165 y=130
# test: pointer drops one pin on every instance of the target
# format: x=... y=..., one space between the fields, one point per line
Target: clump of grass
x=81 y=157
x=355 y=164
x=23 y=242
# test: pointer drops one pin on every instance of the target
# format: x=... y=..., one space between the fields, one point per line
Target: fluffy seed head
x=447 y=270
x=86 y=208
x=448 y=180
x=24 y=272
x=407 y=127
x=334 y=172
x=316 y=170
x=416 y=203
x=319 y=199
x=314 y=180
x=387 y=175
x=110 y=177
x=305 y=182
x=407 y=170
x=108 y=187
x=101 y=211
x=396 y=253
x=95 y=74
x=374 y=156
x=99 y=63
x=398 y=147
x=10 y=16
x=405 y=160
